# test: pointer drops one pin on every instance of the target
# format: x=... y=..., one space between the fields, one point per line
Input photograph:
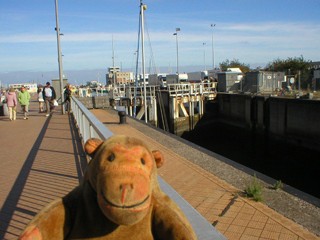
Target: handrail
x=191 y=89
x=132 y=92
x=90 y=126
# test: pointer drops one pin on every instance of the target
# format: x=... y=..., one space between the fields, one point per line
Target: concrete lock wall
x=95 y=102
x=101 y=102
x=296 y=120
x=87 y=102
x=259 y=112
x=235 y=109
x=293 y=120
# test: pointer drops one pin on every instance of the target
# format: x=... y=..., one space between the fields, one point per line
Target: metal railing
x=132 y=92
x=191 y=89
x=89 y=127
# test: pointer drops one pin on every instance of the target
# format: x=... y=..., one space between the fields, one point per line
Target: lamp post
x=142 y=9
x=212 y=26
x=176 y=34
x=114 y=67
x=204 y=56
x=59 y=57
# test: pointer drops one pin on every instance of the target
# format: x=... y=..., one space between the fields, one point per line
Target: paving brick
x=252 y=232
x=248 y=237
x=232 y=235
x=42 y=166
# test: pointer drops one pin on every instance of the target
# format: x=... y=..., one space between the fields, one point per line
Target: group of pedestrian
x=46 y=98
x=12 y=102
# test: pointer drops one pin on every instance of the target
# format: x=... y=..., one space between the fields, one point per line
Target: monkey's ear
x=158 y=157
x=91 y=146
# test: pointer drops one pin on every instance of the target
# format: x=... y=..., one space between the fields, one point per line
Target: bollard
x=122 y=117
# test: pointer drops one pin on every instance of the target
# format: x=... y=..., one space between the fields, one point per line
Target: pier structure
x=186 y=101
x=165 y=106
x=43 y=159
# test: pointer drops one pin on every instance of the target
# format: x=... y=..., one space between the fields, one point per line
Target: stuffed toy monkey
x=119 y=198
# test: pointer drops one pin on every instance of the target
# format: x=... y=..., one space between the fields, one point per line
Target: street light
x=212 y=25
x=204 y=57
x=176 y=34
x=59 y=56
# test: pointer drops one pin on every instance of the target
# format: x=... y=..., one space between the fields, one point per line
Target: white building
x=32 y=87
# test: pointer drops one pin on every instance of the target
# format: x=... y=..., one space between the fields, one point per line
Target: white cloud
x=225 y=32
x=254 y=42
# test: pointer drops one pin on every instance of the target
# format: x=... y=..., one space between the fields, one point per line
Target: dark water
x=295 y=166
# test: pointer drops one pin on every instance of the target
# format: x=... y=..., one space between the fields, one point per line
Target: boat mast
x=142 y=8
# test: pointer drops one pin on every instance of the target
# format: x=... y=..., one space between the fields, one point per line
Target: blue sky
x=255 y=32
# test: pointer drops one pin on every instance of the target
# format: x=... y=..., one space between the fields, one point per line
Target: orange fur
x=119 y=198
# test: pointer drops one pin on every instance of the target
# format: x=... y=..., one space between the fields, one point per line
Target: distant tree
x=293 y=66
x=235 y=63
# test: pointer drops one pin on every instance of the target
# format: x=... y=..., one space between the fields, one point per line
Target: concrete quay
x=235 y=216
x=42 y=159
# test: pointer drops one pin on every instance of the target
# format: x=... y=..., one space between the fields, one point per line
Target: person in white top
x=49 y=96
x=41 y=100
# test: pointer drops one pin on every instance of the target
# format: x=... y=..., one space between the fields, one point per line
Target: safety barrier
x=89 y=126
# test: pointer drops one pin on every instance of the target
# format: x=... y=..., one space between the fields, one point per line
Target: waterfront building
x=115 y=75
x=32 y=87
x=110 y=77
x=315 y=65
x=124 y=77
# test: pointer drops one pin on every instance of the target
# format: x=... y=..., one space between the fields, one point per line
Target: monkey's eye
x=111 y=158
x=143 y=161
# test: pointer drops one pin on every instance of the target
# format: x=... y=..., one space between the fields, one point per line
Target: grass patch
x=278 y=185
x=254 y=190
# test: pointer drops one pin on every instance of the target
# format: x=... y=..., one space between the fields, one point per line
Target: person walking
x=40 y=99
x=49 y=96
x=67 y=97
x=24 y=100
x=11 y=100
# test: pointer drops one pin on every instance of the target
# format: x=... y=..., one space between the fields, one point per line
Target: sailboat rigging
x=114 y=75
x=136 y=77
x=141 y=26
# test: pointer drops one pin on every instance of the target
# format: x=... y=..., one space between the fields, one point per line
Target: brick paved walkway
x=41 y=160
